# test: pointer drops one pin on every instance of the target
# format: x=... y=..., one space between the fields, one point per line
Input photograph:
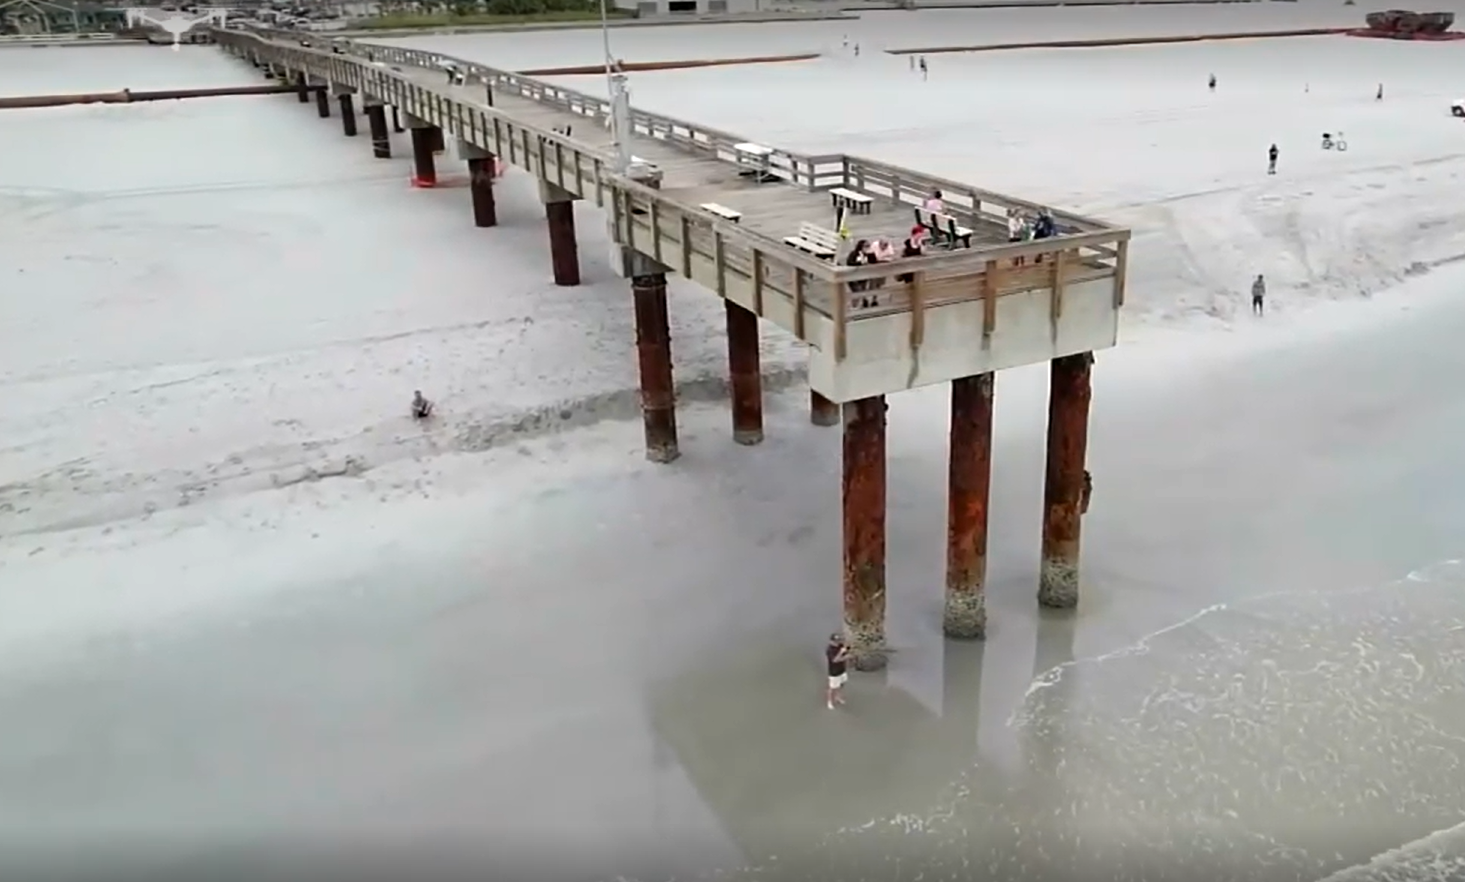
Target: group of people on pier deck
x=1022 y=226
x=872 y=251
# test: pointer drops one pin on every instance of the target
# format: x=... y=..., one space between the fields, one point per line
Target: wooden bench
x=857 y=203
x=815 y=240
x=723 y=211
x=944 y=228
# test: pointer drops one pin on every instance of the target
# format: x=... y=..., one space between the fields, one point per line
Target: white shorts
x=836 y=682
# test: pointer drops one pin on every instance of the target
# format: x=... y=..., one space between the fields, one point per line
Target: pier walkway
x=950 y=321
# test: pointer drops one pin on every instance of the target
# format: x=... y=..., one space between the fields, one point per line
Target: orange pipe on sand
x=580 y=70
x=1123 y=41
x=127 y=96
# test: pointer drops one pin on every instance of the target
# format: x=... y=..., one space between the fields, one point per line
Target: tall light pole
x=620 y=99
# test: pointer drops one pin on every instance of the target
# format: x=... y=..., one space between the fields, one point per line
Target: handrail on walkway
x=1085 y=248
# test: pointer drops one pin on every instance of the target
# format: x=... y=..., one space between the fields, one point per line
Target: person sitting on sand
x=421 y=407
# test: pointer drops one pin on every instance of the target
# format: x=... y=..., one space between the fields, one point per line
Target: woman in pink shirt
x=934 y=204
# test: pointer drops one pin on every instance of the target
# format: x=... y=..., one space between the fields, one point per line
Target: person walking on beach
x=1272 y=160
x=836 y=656
x=925 y=71
x=1212 y=83
x=1258 y=295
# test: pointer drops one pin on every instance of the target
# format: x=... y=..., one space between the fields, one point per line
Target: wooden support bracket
x=989 y=301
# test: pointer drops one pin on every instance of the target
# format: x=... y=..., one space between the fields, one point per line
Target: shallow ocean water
x=1283 y=737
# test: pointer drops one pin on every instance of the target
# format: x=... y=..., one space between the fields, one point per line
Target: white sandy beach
x=490 y=639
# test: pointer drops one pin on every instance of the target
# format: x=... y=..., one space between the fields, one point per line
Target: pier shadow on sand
x=780 y=770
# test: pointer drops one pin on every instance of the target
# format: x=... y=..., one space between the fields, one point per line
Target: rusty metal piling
x=1063 y=488
x=423 y=165
x=653 y=350
x=480 y=189
x=744 y=376
x=564 y=252
x=376 y=122
x=969 y=482
x=822 y=411
x=348 y=114
x=864 y=531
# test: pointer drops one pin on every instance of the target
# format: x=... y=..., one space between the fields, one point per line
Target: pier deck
x=772 y=208
x=924 y=320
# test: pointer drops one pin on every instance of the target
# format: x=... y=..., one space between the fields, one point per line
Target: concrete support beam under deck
x=969 y=484
x=745 y=382
x=864 y=531
x=1065 y=486
x=302 y=87
x=653 y=350
x=323 y=103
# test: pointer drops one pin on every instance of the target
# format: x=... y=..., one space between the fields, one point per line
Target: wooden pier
x=718 y=209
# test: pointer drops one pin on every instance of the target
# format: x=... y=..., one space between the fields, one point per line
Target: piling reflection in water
x=1282 y=738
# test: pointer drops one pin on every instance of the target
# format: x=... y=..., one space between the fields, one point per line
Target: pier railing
x=777 y=282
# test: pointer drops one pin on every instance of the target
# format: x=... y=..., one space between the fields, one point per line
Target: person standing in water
x=1272 y=159
x=836 y=657
x=1213 y=83
x=1258 y=295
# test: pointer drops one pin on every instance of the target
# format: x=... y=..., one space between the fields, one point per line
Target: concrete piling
x=348 y=114
x=1063 y=489
x=564 y=253
x=744 y=377
x=376 y=122
x=480 y=188
x=397 y=121
x=423 y=165
x=323 y=103
x=822 y=411
x=653 y=350
x=302 y=90
x=864 y=531
x=969 y=483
